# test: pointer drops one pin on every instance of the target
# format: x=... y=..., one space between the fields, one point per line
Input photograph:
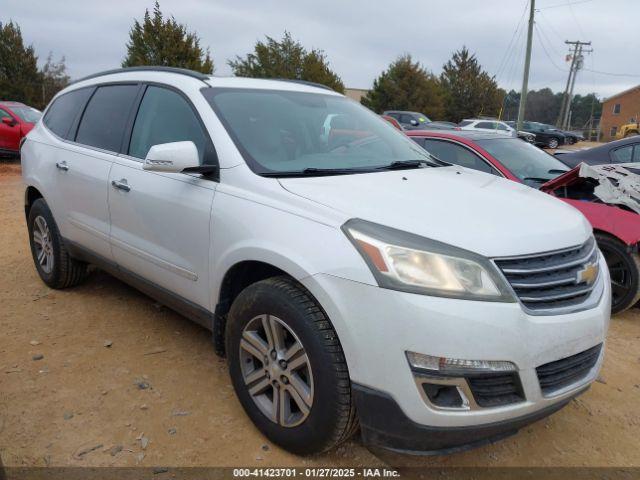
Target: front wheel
x=288 y=368
x=624 y=269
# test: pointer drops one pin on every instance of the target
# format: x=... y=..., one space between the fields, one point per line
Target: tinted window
x=4 y=114
x=64 y=110
x=105 y=118
x=489 y=125
x=623 y=154
x=165 y=116
x=456 y=154
x=464 y=123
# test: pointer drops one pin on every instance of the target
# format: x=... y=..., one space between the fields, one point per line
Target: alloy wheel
x=276 y=370
x=43 y=244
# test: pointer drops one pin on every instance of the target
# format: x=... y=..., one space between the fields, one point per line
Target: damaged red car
x=598 y=194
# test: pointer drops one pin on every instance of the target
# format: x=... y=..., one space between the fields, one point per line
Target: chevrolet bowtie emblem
x=588 y=274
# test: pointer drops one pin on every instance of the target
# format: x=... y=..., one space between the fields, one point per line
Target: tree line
x=463 y=89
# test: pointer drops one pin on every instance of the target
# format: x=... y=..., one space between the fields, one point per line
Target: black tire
x=64 y=271
x=331 y=418
x=553 y=143
x=571 y=140
x=624 y=268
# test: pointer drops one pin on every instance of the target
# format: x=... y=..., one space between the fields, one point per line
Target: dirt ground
x=158 y=395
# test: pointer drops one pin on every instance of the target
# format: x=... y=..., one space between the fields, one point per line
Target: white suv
x=349 y=277
x=489 y=126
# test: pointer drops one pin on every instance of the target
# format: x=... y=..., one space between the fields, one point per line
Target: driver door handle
x=62 y=166
x=121 y=185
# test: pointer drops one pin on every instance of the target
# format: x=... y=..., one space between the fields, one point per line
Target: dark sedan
x=626 y=150
x=545 y=137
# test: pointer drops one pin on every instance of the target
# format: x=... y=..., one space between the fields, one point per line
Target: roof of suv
x=281 y=83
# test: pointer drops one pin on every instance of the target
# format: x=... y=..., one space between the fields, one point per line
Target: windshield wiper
x=537 y=179
x=316 y=172
x=405 y=164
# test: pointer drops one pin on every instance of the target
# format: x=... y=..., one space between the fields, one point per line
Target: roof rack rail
x=302 y=82
x=148 y=68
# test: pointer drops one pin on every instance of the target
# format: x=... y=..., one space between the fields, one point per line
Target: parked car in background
x=630 y=129
x=489 y=126
x=350 y=278
x=626 y=150
x=417 y=121
x=544 y=137
x=16 y=120
x=617 y=230
x=570 y=137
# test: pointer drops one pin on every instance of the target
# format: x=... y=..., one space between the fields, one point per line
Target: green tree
x=286 y=58
x=406 y=85
x=19 y=76
x=582 y=107
x=160 y=41
x=469 y=90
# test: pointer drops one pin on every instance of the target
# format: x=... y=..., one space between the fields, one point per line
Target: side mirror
x=414 y=122
x=174 y=157
x=9 y=121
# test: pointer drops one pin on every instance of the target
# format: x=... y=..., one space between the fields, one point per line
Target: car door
x=84 y=161
x=160 y=222
x=9 y=132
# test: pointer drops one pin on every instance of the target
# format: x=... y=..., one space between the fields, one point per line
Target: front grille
x=551 y=280
x=494 y=390
x=556 y=375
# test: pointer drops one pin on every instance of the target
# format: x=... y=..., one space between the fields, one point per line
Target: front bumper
x=384 y=425
x=377 y=326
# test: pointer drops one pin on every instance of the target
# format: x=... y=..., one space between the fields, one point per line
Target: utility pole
x=576 y=64
x=527 y=63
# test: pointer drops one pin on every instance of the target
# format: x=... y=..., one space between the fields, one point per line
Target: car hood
x=476 y=211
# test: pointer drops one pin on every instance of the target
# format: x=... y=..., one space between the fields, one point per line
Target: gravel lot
x=124 y=381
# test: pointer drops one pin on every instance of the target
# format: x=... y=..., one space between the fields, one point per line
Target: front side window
x=287 y=132
x=457 y=154
x=165 y=116
x=486 y=125
x=105 y=119
x=528 y=163
x=64 y=110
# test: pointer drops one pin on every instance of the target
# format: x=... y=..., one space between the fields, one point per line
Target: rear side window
x=623 y=155
x=165 y=116
x=64 y=110
x=105 y=118
x=464 y=123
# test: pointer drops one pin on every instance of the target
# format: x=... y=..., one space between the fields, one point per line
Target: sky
x=359 y=37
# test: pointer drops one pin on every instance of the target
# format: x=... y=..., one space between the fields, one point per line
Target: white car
x=350 y=279
x=492 y=126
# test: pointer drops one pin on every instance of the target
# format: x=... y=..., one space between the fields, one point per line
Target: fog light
x=456 y=366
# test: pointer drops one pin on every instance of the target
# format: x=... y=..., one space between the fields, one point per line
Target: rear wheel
x=54 y=264
x=288 y=368
x=571 y=140
x=553 y=143
x=624 y=268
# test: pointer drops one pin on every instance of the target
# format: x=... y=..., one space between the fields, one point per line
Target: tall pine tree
x=469 y=90
x=19 y=77
x=286 y=58
x=165 y=42
x=406 y=85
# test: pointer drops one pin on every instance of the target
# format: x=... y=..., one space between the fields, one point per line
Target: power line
x=568 y=4
x=613 y=74
x=544 y=49
x=511 y=45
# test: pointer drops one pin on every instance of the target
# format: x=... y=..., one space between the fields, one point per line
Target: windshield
x=528 y=163
x=27 y=114
x=280 y=132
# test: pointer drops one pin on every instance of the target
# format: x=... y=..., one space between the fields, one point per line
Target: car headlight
x=411 y=263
